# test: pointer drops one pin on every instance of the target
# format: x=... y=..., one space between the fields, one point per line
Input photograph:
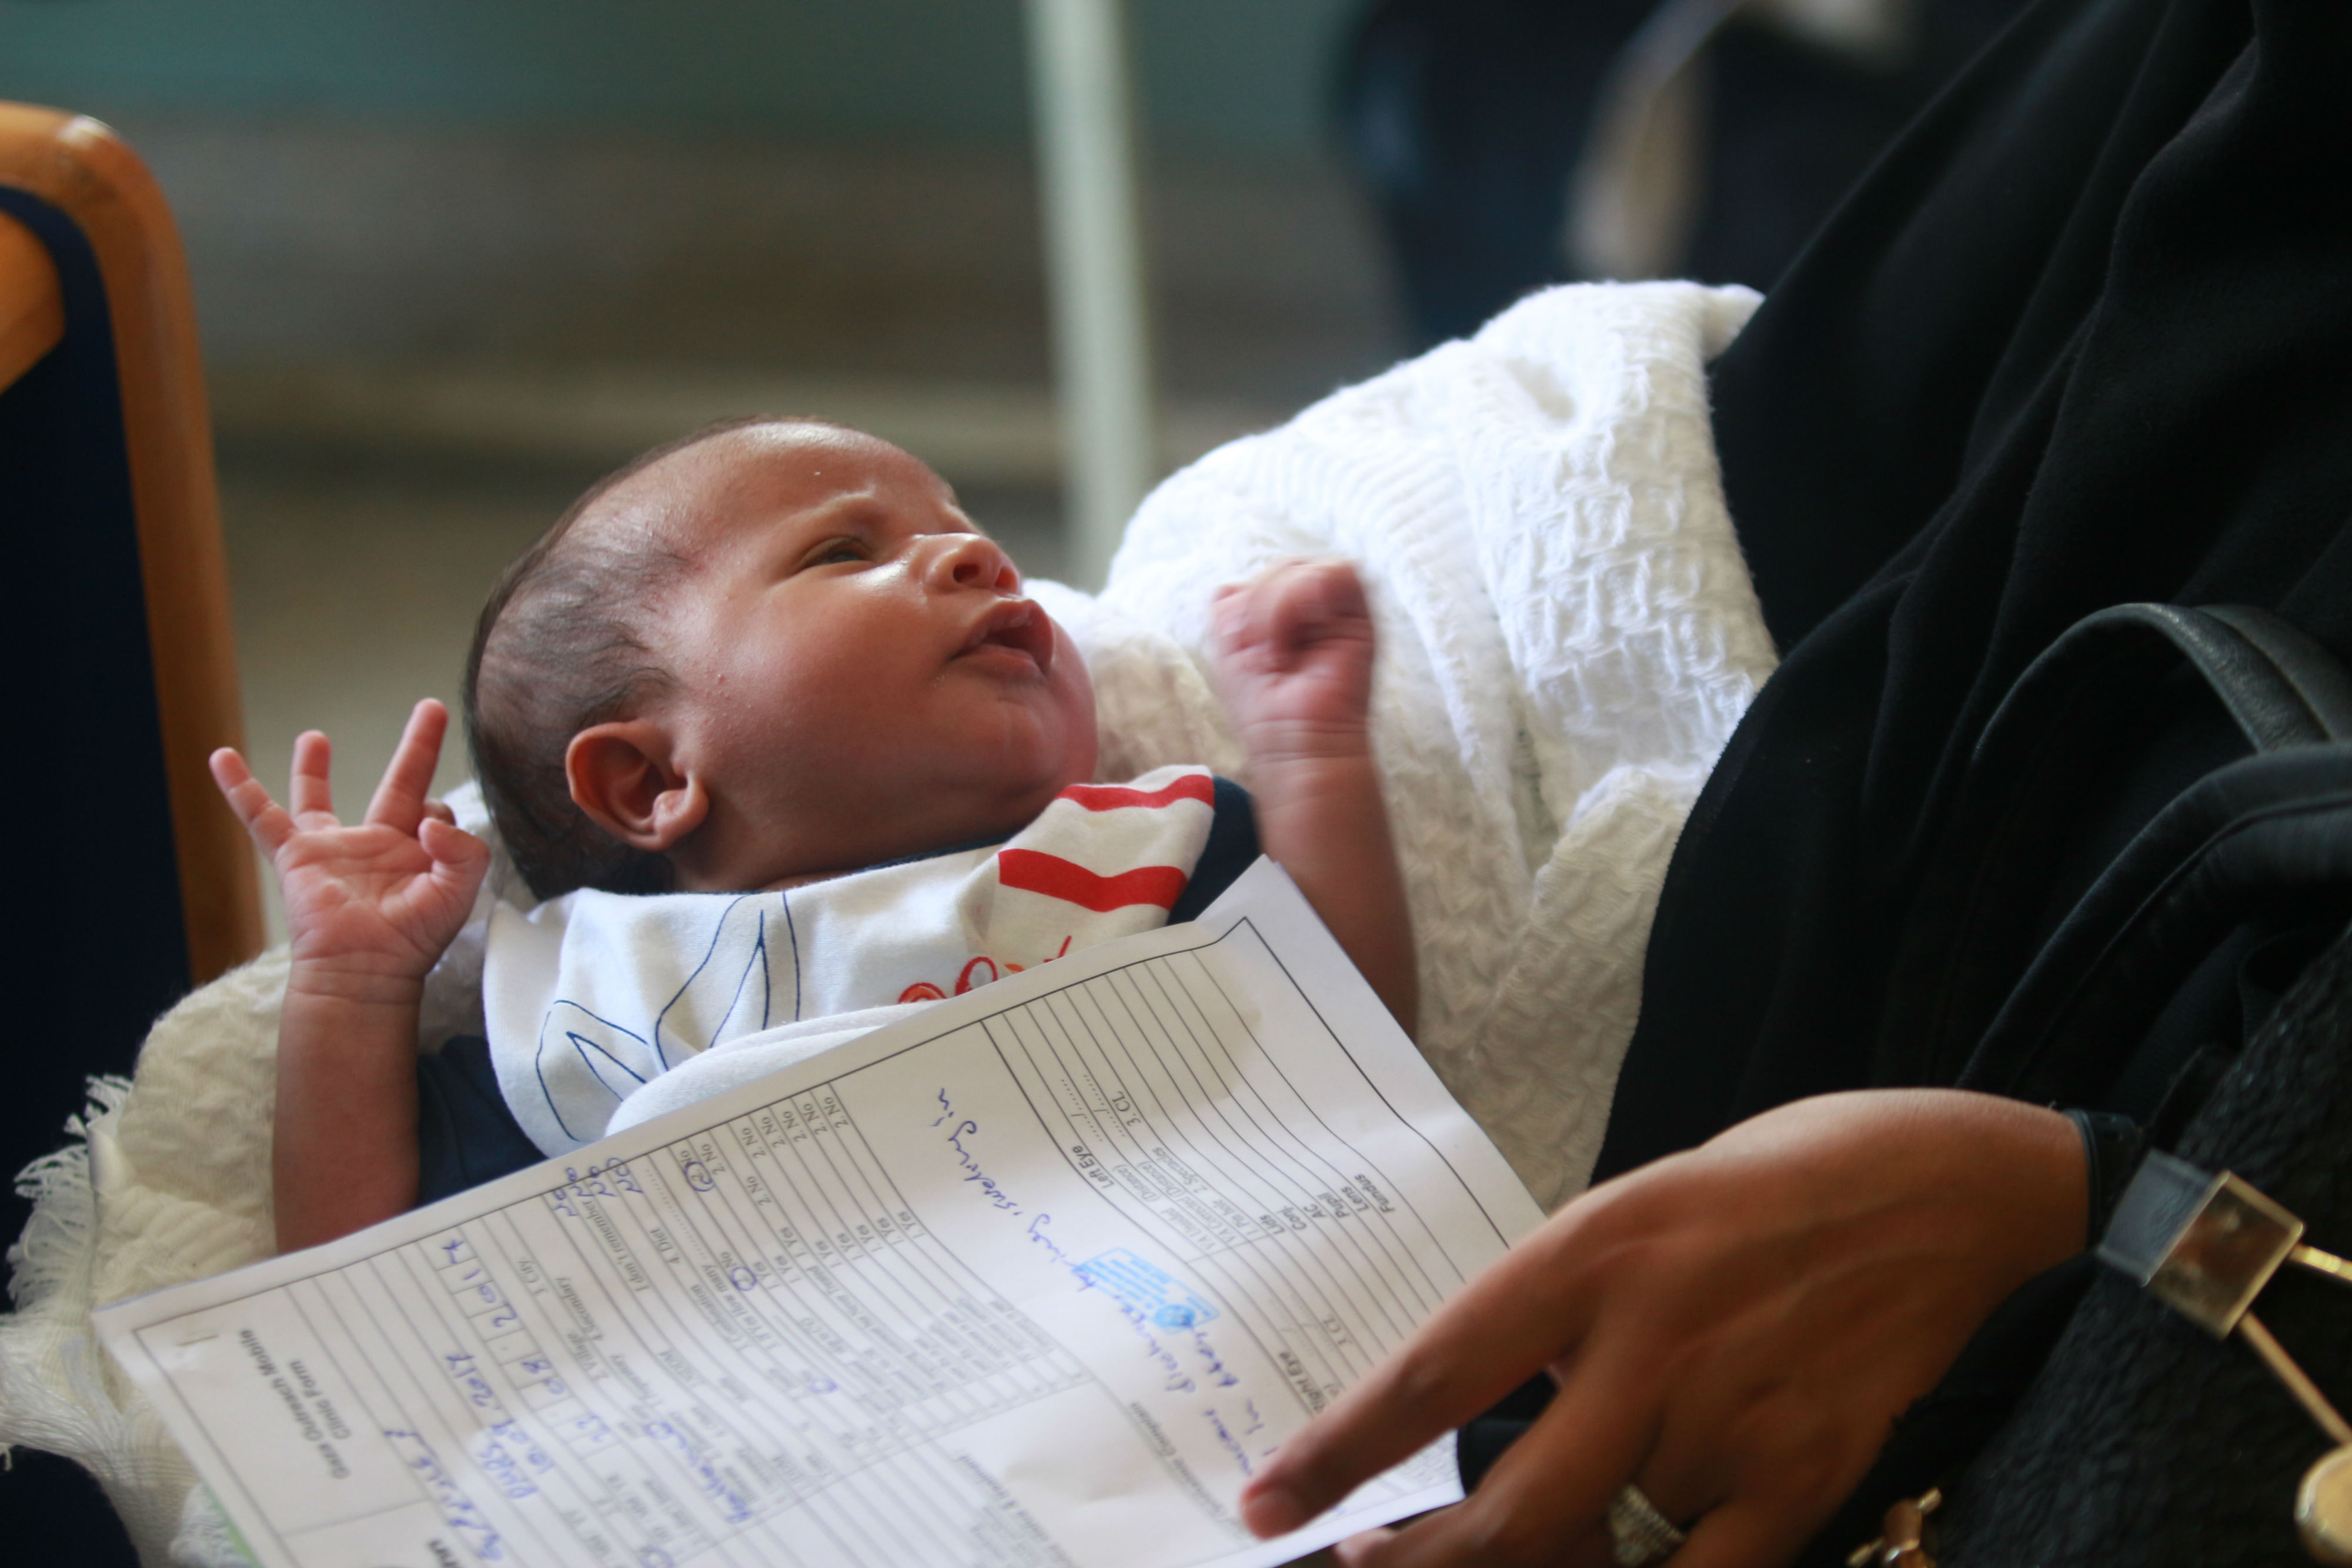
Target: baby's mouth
x=1018 y=626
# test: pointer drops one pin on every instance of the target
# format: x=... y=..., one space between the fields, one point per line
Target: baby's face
x=858 y=675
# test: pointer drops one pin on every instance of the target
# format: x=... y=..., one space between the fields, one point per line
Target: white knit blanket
x=1567 y=636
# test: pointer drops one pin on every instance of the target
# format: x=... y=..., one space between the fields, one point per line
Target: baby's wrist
x=353 y=980
x=1298 y=786
x=1297 y=743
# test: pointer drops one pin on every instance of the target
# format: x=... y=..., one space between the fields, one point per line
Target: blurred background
x=454 y=258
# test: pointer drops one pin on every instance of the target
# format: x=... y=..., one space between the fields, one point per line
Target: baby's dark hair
x=562 y=645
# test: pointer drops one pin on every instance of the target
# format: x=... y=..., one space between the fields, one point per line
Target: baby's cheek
x=1075 y=687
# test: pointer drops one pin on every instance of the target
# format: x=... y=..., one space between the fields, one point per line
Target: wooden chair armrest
x=82 y=168
x=32 y=310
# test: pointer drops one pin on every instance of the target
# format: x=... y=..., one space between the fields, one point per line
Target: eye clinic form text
x=1038 y=1277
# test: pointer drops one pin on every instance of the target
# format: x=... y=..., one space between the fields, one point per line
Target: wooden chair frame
x=32 y=306
x=80 y=167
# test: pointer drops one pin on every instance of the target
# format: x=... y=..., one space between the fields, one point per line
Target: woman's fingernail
x=1273 y=1512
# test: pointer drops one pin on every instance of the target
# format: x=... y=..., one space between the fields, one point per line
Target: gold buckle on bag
x=2205 y=1246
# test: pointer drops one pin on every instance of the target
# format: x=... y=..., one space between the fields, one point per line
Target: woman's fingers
x=1742 y=1323
x=1356 y=1549
x=1744 y=1533
x=1522 y=1314
x=263 y=817
x=1544 y=1503
x=399 y=801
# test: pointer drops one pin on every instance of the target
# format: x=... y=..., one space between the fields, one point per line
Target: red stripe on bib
x=1033 y=871
x=1112 y=797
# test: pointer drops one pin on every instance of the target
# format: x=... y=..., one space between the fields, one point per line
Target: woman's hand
x=379 y=899
x=1734 y=1329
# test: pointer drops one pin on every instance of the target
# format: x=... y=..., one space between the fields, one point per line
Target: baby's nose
x=972 y=560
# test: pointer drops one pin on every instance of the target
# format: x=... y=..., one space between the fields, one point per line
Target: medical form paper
x=1036 y=1277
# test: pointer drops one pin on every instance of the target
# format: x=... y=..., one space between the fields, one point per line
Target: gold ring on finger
x=1638 y=1532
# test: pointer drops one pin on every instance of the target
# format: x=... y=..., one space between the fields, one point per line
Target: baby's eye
x=837 y=551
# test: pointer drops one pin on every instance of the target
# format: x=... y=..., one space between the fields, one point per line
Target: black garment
x=2076 y=342
x=2079 y=341
x=465 y=1136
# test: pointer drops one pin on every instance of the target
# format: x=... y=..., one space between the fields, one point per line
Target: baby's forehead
x=695 y=498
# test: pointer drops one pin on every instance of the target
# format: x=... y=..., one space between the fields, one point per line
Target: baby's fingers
x=307 y=795
x=459 y=859
x=1249 y=616
x=264 y=818
x=1319 y=598
x=399 y=801
x=1229 y=615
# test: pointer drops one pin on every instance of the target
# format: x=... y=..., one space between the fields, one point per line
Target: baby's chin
x=1019 y=807
x=970 y=818
x=1030 y=751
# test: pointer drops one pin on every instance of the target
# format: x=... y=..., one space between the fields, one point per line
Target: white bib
x=591 y=996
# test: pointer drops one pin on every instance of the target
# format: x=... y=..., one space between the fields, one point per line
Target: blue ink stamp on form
x=1149 y=1289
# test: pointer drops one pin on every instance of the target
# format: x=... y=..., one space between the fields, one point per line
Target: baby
x=770 y=655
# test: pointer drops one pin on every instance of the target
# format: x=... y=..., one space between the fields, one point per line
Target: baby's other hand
x=1293 y=660
x=377 y=902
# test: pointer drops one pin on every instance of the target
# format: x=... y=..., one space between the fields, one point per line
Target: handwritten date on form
x=1038 y=1277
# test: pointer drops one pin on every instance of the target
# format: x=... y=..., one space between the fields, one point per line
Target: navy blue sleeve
x=2112 y=1146
x=1232 y=847
x=464 y=1133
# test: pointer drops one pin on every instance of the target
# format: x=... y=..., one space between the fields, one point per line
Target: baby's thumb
x=454 y=851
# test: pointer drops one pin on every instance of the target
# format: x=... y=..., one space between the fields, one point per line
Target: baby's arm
x=370 y=908
x=1294 y=663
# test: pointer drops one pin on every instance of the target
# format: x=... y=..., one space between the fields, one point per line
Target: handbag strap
x=2298 y=667
x=2268 y=839
x=2044 y=769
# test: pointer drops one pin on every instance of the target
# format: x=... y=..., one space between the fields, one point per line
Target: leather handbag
x=2136 y=906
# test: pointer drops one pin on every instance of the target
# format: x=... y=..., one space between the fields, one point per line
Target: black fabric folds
x=2079 y=338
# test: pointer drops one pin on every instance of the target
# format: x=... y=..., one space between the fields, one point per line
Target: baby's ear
x=623 y=775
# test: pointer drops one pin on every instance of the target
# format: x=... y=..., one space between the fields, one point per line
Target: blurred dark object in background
x=1462 y=119
x=1508 y=145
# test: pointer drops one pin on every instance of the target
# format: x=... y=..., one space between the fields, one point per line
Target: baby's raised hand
x=380 y=899
x=1293 y=660
x=1293 y=656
